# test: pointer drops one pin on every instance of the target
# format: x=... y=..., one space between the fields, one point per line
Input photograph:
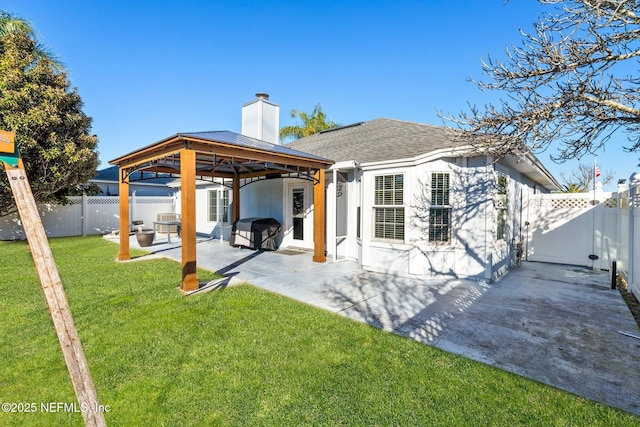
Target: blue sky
x=147 y=70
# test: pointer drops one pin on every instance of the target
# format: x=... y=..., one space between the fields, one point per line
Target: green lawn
x=240 y=356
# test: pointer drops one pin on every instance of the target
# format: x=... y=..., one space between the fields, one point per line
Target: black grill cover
x=255 y=233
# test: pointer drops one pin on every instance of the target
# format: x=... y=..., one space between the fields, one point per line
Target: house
x=142 y=183
x=405 y=198
x=396 y=196
x=401 y=197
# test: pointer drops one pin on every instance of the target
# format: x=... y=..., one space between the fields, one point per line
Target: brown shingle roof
x=375 y=140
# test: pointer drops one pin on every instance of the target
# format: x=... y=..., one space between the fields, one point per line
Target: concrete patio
x=556 y=324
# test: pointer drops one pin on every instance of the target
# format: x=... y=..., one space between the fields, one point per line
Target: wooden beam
x=149 y=153
x=248 y=154
x=56 y=298
x=188 y=194
x=319 y=218
x=123 y=190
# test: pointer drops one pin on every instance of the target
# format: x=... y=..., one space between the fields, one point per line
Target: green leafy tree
x=312 y=123
x=11 y=23
x=572 y=188
x=52 y=131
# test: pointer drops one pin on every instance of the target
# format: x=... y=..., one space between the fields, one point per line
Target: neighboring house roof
x=375 y=140
x=111 y=174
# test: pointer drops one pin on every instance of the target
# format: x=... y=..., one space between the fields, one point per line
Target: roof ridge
x=341 y=127
x=410 y=122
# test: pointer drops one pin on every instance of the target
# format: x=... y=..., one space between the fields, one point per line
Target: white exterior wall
x=519 y=191
x=262 y=199
x=267 y=198
x=380 y=255
x=473 y=250
x=463 y=256
x=203 y=225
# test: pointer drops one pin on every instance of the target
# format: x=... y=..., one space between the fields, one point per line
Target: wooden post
x=235 y=209
x=56 y=298
x=188 y=205
x=318 y=218
x=123 y=190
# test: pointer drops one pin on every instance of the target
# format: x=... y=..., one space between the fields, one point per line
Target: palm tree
x=311 y=123
x=11 y=23
x=573 y=188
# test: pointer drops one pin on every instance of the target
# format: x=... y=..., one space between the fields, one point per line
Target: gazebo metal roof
x=221 y=154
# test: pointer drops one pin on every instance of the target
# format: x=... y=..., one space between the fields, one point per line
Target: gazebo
x=218 y=154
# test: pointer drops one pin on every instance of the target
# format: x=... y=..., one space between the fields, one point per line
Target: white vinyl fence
x=89 y=215
x=589 y=229
x=629 y=237
x=568 y=228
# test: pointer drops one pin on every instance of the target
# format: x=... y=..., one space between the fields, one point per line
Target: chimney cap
x=262 y=95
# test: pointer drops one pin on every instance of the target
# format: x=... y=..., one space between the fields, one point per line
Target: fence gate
x=577 y=229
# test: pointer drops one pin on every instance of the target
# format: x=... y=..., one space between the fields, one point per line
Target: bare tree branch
x=581 y=178
x=571 y=80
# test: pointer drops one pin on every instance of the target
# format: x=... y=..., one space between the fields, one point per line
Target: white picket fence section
x=89 y=215
x=587 y=229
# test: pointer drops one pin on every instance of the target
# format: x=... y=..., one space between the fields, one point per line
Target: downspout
x=487 y=255
x=334 y=233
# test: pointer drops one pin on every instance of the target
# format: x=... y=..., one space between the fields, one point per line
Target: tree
x=11 y=23
x=311 y=124
x=573 y=80
x=573 y=188
x=581 y=179
x=52 y=131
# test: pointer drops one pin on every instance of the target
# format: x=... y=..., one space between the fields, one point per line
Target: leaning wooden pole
x=55 y=297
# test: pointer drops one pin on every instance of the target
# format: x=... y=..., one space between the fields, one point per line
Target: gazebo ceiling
x=221 y=154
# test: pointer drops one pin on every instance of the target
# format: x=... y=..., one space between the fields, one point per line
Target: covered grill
x=255 y=233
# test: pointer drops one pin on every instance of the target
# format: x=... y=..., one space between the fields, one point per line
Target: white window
x=388 y=207
x=440 y=210
x=219 y=205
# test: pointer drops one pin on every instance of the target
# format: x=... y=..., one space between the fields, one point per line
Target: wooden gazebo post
x=188 y=216
x=318 y=218
x=123 y=189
